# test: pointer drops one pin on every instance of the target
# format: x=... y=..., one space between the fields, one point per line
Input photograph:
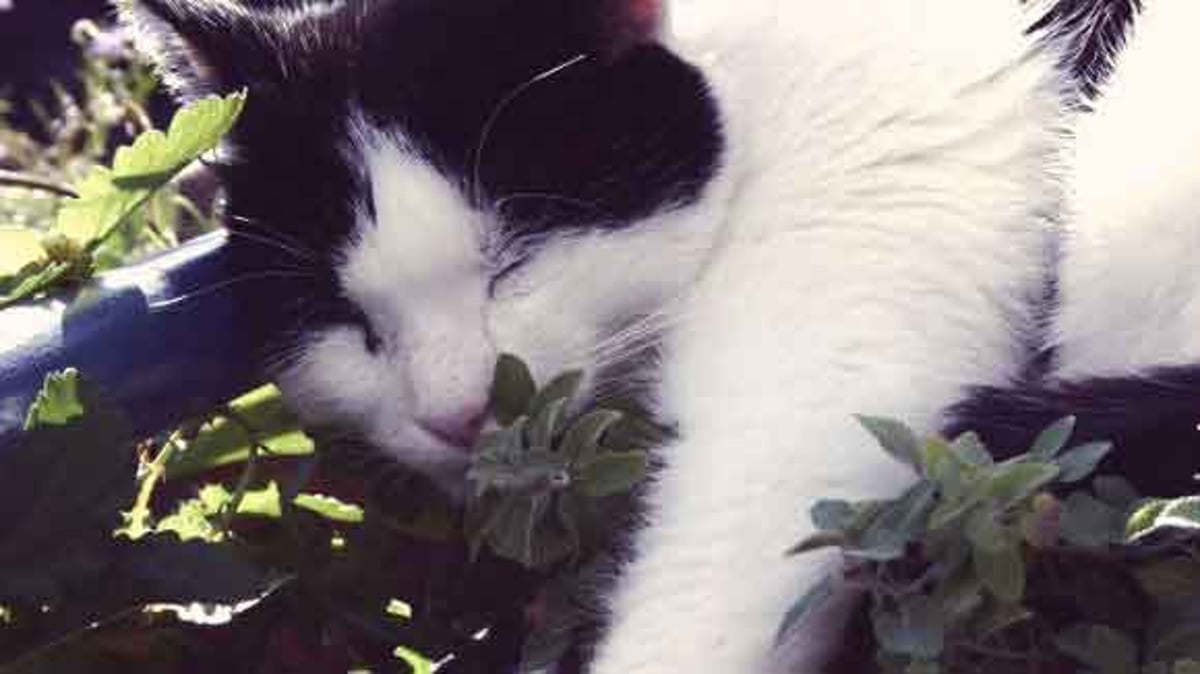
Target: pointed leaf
x=971 y=450
x=1052 y=439
x=895 y=438
x=1080 y=462
x=611 y=473
x=512 y=389
x=583 y=438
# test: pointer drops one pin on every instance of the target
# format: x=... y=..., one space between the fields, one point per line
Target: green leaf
x=107 y=197
x=896 y=524
x=582 y=439
x=895 y=438
x=261 y=417
x=611 y=473
x=832 y=515
x=1142 y=519
x=544 y=426
x=996 y=557
x=19 y=247
x=512 y=389
x=562 y=387
x=1011 y=483
x=1180 y=513
x=943 y=466
x=64 y=487
x=1099 y=646
x=57 y=403
x=330 y=508
x=417 y=663
x=971 y=450
x=1079 y=462
x=1052 y=439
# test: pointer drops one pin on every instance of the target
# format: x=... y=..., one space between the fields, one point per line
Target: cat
x=796 y=211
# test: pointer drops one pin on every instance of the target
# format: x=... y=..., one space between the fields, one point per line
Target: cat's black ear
x=201 y=46
x=625 y=24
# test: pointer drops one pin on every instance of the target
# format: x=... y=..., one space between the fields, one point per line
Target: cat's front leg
x=764 y=383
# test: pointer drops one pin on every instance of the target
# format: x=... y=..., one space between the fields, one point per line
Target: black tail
x=1152 y=419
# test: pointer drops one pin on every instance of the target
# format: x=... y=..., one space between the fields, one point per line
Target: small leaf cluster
x=537 y=479
x=64 y=214
x=1029 y=564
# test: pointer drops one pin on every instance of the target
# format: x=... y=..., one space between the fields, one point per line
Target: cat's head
x=432 y=182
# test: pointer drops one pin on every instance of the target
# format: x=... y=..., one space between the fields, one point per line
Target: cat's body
x=811 y=209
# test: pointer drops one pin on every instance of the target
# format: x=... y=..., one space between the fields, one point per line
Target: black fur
x=1093 y=31
x=1151 y=419
x=543 y=112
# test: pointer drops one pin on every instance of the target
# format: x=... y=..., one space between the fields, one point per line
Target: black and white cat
x=807 y=209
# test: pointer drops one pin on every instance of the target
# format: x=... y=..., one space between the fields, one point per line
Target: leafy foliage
x=537 y=479
x=1012 y=567
x=63 y=213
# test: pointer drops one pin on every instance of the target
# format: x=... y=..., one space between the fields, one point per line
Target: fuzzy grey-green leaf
x=1052 y=439
x=1079 y=462
x=895 y=438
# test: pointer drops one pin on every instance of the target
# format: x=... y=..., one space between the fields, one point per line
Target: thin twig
x=34 y=182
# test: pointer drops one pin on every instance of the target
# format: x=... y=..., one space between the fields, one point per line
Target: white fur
x=868 y=247
x=1130 y=281
x=892 y=161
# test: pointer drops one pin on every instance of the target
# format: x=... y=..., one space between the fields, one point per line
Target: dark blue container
x=159 y=338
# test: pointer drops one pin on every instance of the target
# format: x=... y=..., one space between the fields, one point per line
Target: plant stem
x=34 y=182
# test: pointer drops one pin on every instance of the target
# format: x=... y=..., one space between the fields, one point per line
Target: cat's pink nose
x=458 y=428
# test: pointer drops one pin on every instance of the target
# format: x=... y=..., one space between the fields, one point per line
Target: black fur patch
x=1152 y=420
x=525 y=105
x=1093 y=32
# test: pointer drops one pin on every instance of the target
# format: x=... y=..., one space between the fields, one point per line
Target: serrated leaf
x=195 y=129
x=1080 y=462
x=330 y=508
x=512 y=389
x=1099 y=646
x=57 y=403
x=611 y=473
x=1052 y=439
x=895 y=438
x=107 y=197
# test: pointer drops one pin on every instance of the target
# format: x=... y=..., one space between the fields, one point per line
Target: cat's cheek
x=333 y=380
